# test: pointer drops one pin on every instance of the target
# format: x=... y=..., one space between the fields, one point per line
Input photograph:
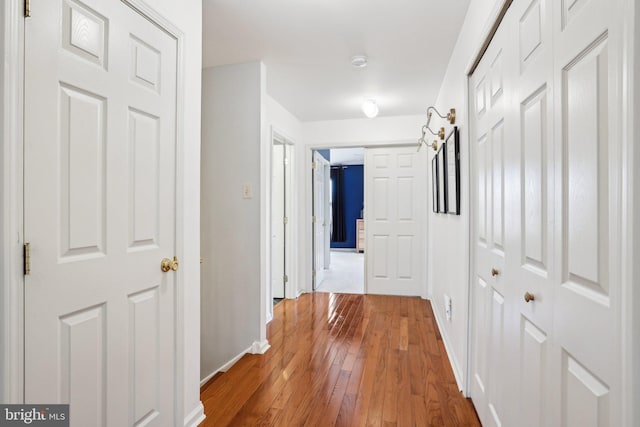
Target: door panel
x=395 y=208
x=100 y=203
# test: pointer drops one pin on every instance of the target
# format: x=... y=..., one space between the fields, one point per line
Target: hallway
x=343 y=360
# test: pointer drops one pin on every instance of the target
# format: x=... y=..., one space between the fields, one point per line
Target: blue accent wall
x=353 y=202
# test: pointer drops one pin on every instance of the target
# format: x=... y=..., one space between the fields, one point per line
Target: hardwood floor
x=343 y=360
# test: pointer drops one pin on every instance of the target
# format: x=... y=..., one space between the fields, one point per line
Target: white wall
x=334 y=134
x=449 y=234
x=232 y=244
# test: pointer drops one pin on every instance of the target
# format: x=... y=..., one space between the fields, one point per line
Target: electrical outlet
x=448 y=307
x=247 y=191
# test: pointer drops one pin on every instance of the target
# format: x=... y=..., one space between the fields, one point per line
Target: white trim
x=11 y=192
x=457 y=371
x=486 y=33
x=226 y=366
x=195 y=417
x=260 y=347
x=630 y=397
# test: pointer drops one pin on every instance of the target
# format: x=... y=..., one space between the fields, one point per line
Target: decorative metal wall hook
x=450 y=117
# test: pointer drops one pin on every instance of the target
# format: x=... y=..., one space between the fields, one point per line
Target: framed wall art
x=452 y=176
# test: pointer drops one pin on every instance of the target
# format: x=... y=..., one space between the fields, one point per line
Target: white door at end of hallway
x=100 y=213
x=395 y=218
x=320 y=217
x=278 y=214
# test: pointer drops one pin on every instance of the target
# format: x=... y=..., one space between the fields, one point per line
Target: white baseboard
x=457 y=372
x=226 y=366
x=195 y=417
x=259 y=347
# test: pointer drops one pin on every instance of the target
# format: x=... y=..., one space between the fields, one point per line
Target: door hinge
x=285 y=220
x=314 y=165
x=285 y=278
x=313 y=219
x=27 y=8
x=27 y=259
x=286 y=161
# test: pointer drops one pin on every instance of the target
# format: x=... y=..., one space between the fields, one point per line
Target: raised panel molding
x=380 y=255
x=481 y=100
x=84 y=32
x=144 y=318
x=144 y=169
x=380 y=207
x=145 y=64
x=496 y=78
x=530 y=28
x=585 y=173
x=83 y=356
x=482 y=189
x=481 y=345
x=570 y=9
x=497 y=185
x=533 y=138
x=405 y=199
x=533 y=360
x=82 y=168
x=585 y=397
x=405 y=257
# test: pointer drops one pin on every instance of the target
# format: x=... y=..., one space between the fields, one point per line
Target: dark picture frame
x=435 y=185
x=452 y=176
x=442 y=181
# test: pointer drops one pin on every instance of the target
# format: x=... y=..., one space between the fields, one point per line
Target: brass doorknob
x=167 y=264
x=528 y=297
x=494 y=272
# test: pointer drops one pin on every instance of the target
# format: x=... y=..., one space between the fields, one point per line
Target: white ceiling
x=347 y=156
x=307 y=47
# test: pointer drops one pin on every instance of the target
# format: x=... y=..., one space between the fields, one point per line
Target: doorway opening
x=338 y=212
x=281 y=186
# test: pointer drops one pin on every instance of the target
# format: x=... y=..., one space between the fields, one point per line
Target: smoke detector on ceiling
x=359 y=61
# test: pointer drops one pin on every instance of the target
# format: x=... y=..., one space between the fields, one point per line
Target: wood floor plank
x=343 y=360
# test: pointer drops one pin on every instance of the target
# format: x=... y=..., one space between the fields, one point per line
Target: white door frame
x=11 y=193
x=277 y=135
x=630 y=324
x=305 y=239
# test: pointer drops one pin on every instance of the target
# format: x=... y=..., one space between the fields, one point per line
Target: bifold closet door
x=546 y=170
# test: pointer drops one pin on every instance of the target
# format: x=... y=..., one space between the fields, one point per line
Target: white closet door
x=587 y=306
x=100 y=206
x=489 y=284
x=395 y=215
x=547 y=160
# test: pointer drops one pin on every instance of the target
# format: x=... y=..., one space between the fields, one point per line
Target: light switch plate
x=247 y=191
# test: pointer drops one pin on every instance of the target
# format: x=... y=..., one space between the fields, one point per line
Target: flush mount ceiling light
x=359 y=61
x=370 y=108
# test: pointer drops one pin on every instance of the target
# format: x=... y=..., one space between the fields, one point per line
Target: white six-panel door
x=395 y=214
x=100 y=203
x=546 y=156
x=278 y=213
x=321 y=217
